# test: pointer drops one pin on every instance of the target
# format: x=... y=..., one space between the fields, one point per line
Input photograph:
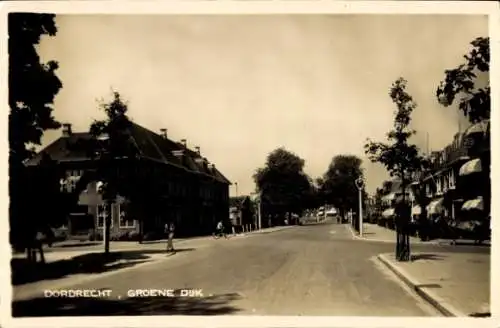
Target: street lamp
x=360 y=184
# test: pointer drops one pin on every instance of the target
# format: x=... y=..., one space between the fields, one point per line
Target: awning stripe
x=472 y=166
x=474 y=204
x=481 y=127
x=388 y=213
x=435 y=206
x=389 y=197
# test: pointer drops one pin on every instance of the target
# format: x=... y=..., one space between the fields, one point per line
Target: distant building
x=194 y=193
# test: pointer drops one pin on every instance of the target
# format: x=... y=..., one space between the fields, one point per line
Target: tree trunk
x=107 y=225
x=141 y=231
x=404 y=251
x=40 y=249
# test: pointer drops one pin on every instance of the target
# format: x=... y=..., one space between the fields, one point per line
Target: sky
x=240 y=86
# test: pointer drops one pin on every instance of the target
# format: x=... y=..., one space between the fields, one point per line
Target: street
x=315 y=269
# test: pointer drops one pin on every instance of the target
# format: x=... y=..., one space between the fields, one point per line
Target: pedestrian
x=170 y=229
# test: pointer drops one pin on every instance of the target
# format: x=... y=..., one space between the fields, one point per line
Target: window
x=428 y=190
x=125 y=220
x=72 y=177
x=102 y=212
x=451 y=179
x=445 y=182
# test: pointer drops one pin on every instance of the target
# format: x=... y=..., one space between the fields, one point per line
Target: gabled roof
x=65 y=149
x=149 y=145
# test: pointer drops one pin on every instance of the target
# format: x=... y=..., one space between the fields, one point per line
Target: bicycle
x=219 y=234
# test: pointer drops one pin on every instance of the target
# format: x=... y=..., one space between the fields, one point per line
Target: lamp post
x=105 y=188
x=360 y=184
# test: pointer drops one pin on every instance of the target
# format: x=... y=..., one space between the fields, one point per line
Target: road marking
x=333 y=232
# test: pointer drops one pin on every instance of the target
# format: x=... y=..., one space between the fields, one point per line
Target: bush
x=95 y=236
x=60 y=235
x=133 y=236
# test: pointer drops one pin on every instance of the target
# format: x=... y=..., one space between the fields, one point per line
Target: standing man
x=170 y=229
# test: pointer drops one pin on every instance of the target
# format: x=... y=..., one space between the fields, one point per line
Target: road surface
x=313 y=269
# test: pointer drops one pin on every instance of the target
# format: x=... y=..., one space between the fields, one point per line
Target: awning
x=416 y=210
x=388 y=213
x=481 y=127
x=473 y=166
x=389 y=197
x=435 y=206
x=474 y=204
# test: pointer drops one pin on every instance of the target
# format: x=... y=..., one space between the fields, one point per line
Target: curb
x=437 y=302
x=356 y=237
x=263 y=231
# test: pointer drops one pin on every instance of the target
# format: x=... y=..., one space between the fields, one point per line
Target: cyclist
x=219 y=230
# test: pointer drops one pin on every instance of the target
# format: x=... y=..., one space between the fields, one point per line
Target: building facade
x=190 y=191
x=456 y=187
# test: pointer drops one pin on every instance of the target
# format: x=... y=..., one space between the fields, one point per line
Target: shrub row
x=125 y=236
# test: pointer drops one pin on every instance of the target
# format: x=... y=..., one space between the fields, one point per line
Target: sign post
x=360 y=184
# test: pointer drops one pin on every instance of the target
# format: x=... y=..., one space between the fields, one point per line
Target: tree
x=464 y=80
x=33 y=86
x=400 y=158
x=338 y=182
x=111 y=138
x=282 y=183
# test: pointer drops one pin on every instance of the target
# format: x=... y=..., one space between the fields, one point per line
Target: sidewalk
x=374 y=232
x=59 y=254
x=456 y=284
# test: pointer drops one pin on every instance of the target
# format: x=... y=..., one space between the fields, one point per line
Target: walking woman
x=170 y=229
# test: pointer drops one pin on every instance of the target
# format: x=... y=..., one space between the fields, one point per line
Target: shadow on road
x=24 y=272
x=417 y=257
x=48 y=307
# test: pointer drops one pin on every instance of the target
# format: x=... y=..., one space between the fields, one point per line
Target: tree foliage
x=338 y=182
x=462 y=81
x=400 y=158
x=282 y=182
x=33 y=86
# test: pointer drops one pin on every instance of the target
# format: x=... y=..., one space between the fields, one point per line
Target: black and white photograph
x=250 y=164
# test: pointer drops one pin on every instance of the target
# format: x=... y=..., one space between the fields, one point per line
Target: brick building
x=457 y=186
x=193 y=193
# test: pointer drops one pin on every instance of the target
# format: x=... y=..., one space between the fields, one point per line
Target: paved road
x=307 y=270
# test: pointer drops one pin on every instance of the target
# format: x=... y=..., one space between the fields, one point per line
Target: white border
x=260 y=7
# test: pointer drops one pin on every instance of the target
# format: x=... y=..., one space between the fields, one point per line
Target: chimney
x=66 y=130
x=184 y=142
x=197 y=150
x=163 y=133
